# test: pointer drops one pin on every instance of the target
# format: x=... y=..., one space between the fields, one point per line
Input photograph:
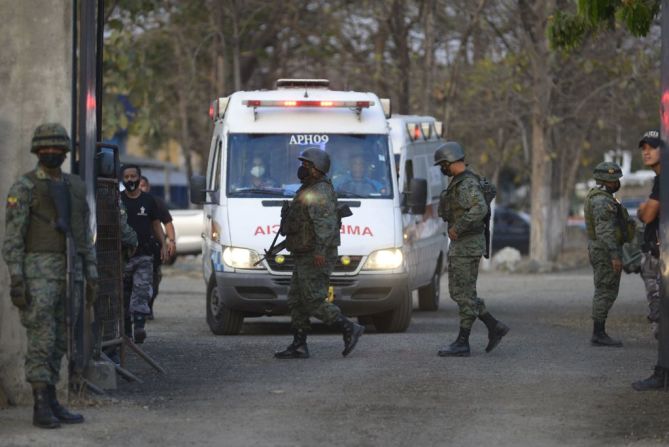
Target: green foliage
x=567 y=30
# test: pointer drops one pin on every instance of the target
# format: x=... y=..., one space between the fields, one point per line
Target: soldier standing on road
x=142 y=216
x=312 y=236
x=608 y=227
x=35 y=251
x=463 y=206
x=169 y=237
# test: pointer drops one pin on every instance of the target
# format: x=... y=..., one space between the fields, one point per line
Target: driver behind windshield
x=356 y=181
x=257 y=177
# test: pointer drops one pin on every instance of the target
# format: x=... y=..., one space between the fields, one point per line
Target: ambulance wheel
x=221 y=320
x=396 y=320
x=428 y=296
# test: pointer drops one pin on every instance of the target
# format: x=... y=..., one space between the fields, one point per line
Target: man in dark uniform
x=170 y=242
x=463 y=206
x=649 y=213
x=35 y=247
x=312 y=236
x=138 y=272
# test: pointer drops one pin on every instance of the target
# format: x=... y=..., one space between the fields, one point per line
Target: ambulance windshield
x=262 y=165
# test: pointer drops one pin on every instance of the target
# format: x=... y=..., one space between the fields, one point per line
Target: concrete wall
x=35 y=67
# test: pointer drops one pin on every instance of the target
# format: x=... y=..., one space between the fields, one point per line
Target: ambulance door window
x=215 y=174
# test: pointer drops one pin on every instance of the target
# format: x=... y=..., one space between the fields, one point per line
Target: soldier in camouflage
x=312 y=231
x=463 y=206
x=608 y=227
x=35 y=252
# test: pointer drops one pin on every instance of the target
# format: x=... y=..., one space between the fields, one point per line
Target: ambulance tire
x=396 y=320
x=221 y=320
x=428 y=296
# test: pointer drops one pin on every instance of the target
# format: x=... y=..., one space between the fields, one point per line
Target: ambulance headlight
x=384 y=260
x=240 y=258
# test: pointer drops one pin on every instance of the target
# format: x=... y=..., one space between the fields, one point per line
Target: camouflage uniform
x=311 y=226
x=463 y=206
x=602 y=210
x=608 y=227
x=44 y=272
x=313 y=212
x=128 y=235
x=650 y=273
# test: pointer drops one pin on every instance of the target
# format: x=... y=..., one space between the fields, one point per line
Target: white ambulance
x=251 y=170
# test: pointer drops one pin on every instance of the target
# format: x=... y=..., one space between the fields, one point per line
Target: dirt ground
x=544 y=385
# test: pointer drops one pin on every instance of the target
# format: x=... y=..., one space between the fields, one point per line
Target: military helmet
x=607 y=171
x=450 y=152
x=318 y=157
x=50 y=135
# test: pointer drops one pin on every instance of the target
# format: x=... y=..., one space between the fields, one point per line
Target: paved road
x=544 y=385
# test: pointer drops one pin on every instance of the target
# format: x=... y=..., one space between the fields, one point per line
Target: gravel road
x=544 y=384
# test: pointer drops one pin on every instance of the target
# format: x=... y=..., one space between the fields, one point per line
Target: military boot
x=61 y=413
x=460 y=347
x=139 y=333
x=351 y=333
x=601 y=338
x=297 y=349
x=43 y=416
x=496 y=330
x=657 y=381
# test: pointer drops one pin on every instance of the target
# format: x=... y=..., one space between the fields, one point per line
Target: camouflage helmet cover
x=607 y=171
x=450 y=152
x=318 y=157
x=50 y=135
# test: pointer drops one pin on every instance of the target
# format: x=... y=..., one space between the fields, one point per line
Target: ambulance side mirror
x=198 y=189
x=417 y=196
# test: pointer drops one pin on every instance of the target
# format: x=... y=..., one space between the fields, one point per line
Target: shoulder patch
x=12 y=202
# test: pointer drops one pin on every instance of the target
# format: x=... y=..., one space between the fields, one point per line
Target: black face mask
x=614 y=189
x=51 y=161
x=302 y=173
x=131 y=185
x=446 y=171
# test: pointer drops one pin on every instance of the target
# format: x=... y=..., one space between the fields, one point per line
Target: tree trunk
x=428 y=59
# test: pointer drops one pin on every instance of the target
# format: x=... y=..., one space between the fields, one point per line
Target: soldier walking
x=35 y=249
x=463 y=206
x=312 y=236
x=608 y=227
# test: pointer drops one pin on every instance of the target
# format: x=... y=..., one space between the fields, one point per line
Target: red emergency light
x=308 y=103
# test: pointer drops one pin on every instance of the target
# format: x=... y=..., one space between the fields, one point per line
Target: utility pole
x=663 y=346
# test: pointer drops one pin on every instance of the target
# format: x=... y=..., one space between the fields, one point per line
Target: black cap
x=651 y=137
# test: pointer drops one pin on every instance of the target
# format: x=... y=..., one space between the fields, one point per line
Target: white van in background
x=414 y=140
x=251 y=171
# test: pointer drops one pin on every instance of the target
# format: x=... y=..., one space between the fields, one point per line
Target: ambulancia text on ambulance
x=251 y=171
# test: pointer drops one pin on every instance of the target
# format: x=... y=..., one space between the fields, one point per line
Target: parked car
x=511 y=229
x=188 y=229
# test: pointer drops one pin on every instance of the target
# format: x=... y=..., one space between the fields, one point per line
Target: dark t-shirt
x=164 y=215
x=142 y=211
x=652 y=228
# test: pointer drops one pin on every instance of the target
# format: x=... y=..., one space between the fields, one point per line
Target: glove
x=91 y=292
x=18 y=293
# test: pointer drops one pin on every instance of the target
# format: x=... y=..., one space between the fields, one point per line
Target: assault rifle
x=60 y=194
x=275 y=248
x=343 y=210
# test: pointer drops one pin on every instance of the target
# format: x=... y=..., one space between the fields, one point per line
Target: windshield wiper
x=350 y=194
x=267 y=192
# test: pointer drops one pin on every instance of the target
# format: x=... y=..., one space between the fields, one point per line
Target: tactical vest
x=450 y=209
x=42 y=236
x=298 y=226
x=625 y=227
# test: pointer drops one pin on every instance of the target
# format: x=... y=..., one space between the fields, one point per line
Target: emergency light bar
x=307 y=103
